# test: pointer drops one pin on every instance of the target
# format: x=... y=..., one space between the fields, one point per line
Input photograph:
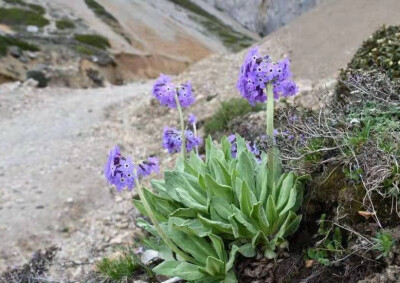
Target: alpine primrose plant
x=235 y=200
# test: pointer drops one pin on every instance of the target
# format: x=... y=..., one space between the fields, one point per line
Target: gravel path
x=50 y=176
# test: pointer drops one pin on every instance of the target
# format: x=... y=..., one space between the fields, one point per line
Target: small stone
x=149 y=256
x=39 y=206
x=32 y=29
x=70 y=200
x=15 y=51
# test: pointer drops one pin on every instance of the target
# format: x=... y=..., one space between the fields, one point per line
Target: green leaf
x=272 y=213
x=196 y=163
x=216 y=226
x=222 y=207
x=179 y=165
x=186 y=182
x=215 y=267
x=220 y=172
x=230 y=277
x=240 y=144
x=262 y=181
x=218 y=246
x=246 y=170
x=212 y=151
x=188 y=271
x=247 y=250
x=284 y=191
x=218 y=190
x=293 y=225
x=188 y=226
x=232 y=257
x=198 y=247
x=139 y=205
x=258 y=214
x=167 y=268
x=247 y=199
x=188 y=201
x=277 y=164
x=239 y=230
x=143 y=224
x=226 y=148
x=162 y=205
x=184 y=213
x=244 y=220
x=291 y=201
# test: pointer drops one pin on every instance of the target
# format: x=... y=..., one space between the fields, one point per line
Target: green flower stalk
x=182 y=122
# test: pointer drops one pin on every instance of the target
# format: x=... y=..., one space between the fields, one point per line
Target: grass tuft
x=228 y=111
x=65 y=24
x=18 y=17
x=94 y=40
x=7 y=41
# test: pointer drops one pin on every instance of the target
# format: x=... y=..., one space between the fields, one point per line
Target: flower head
x=148 y=166
x=172 y=140
x=164 y=90
x=256 y=72
x=192 y=119
x=119 y=170
x=251 y=146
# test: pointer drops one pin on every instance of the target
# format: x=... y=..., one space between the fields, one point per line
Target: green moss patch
x=65 y=24
x=7 y=41
x=94 y=40
x=20 y=17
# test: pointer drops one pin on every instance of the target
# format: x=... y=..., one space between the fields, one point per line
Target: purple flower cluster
x=251 y=146
x=164 y=90
x=120 y=170
x=256 y=72
x=172 y=140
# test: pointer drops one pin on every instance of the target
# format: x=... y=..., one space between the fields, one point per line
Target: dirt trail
x=50 y=162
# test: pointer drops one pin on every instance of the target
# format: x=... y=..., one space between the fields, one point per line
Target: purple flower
x=232 y=140
x=148 y=166
x=251 y=146
x=192 y=119
x=172 y=140
x=191 y=140
x=164 y=90
x=119 y=170
x=256 y=72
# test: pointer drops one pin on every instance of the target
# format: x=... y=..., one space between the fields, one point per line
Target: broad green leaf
x=214 y=215
x=290 y=203
x=222 y=207
x=139 y=205
x=226 y=148
x=258 y=214
x=188 y=271
x=184 y=213
x=189 y=202
x=161 y=205
x=220 y=172
x=218 y=190
x=232 y=257
x=245 y=220
x=219 y=247
x=239 y=230
x=143 y=224
x=216 y=226
x=246 y=170
x=241 y=144
x=272 y=213
x=198 y=247
x=208 y=148
x=247 y=199
x=262 y=181
x=166 y=268
x=292 y=226
x=188 y=226
x=247 y=250
x=215 y=267
x=277 y=164
x=187 y=182
x=284 y=191
x=196 y=163
x=230 y=277
x=179 y=165
x=190 y=170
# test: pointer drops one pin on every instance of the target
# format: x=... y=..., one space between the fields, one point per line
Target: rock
x=95 y=76
x=31 y=55
x=30 y=83
x=38 y=76
x=149 y=256
x=32 y=29
x=15 y=51
x=24 y=59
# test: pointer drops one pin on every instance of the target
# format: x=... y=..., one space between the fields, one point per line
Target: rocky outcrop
x=264 y=16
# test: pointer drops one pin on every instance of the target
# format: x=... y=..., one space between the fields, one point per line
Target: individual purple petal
x=148 y=166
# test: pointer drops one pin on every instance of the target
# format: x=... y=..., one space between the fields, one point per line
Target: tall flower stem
x=270 y=129
x=178 y=106
x=153 y=219
x=195 y=135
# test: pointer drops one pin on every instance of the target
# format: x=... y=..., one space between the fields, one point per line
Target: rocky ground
x=54 y=141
